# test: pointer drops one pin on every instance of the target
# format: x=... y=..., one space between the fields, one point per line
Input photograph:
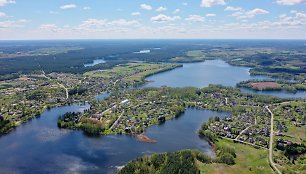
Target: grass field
x=191 y=56
x=131 y=71
x=249 y=160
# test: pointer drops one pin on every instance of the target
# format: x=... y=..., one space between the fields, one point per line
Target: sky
x=152 y=19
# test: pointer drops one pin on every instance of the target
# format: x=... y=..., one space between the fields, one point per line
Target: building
x=125 y=102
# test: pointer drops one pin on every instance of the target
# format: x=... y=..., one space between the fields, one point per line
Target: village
x=25 y=98
x=29 y=95
x=133 y=110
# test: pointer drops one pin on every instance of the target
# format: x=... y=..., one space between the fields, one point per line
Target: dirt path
x=271 y=144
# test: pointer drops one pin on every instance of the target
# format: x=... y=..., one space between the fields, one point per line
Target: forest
x=180 y=162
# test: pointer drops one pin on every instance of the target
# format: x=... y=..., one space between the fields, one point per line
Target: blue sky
x=128 y=19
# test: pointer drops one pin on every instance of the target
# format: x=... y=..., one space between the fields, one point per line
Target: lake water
x=95 y=62
x=281 y=94
x=39 y=146
x=102 y=96
x=212 y=72
x=201 y=75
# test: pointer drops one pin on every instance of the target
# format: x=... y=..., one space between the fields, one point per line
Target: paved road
x=271 y=144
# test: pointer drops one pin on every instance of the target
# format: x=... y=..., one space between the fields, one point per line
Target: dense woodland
x=118 y=52
x=180 y=162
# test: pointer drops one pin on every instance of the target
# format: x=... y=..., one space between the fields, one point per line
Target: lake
x=281 y=94
x=201 y=75
x=39 y=146
x=212 y=72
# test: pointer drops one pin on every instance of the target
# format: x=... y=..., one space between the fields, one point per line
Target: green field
x=248 y=160
x=130 y=72
x=191 y=56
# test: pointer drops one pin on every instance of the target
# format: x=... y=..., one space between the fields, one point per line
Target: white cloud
x=161 y=9
x=291 y=2
x=68 y=6
x=49 y=27
x=2 y=14
x=5 y=2
x=255 y=12
x=211 y=15
x=249 y=14
x=23 y=20
x=135 y=13
x=86 y=8
x=99 y=25
x=164 y=18
x=92 y=23
x=185 y=3
x=209 y=3
x=146 y=7
x=284 y=22
x=7 y=24
x=176 y=11
x=236 y=14
x=301 y=17
x=195 y=18
x=123 y=22
x=12 y=24
x=230 y=8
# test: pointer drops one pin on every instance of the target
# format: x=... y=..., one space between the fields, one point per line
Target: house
x=125 y=102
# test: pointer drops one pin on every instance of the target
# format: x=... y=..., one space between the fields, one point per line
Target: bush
x=226 y=158
x=203 y=158
x=225 y=149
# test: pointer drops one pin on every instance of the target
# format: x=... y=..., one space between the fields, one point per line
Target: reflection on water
x=41 y=147
x=212 y=72
x=201 y=75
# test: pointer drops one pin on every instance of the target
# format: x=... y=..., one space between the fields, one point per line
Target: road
x=243 y=142
x=67 y=94
x=115 y=123
x=271 y=143
x=108 y=109
x=243 y=132
x=61 y=85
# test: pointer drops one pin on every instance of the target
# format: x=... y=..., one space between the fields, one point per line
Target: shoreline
x=145 y=139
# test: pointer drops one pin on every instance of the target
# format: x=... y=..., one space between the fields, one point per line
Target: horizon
x=156 y=39
x=151 y=19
